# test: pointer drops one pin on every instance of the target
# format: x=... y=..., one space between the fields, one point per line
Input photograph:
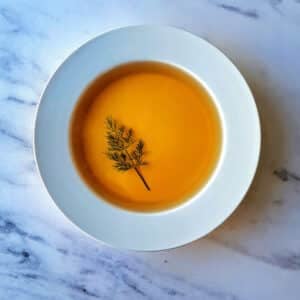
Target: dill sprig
x=126 y=152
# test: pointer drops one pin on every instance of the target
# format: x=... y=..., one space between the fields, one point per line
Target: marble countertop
x=254 y=255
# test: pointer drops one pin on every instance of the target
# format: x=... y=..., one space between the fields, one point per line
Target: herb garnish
x=124 y=149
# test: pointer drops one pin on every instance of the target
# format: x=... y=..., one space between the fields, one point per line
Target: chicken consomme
x=145 y=136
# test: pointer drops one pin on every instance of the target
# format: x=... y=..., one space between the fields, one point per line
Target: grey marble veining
x=35 y=266
x=255 y=254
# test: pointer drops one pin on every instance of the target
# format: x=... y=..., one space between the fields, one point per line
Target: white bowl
x=199 y=215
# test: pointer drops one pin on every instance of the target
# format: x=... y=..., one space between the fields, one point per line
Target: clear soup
x=171 y=112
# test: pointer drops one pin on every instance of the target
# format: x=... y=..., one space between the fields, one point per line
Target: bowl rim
x=146 y=29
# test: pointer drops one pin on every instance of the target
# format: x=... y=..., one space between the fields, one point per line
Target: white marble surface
x=254 y=255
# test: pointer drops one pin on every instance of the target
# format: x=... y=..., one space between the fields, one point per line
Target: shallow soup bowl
x=209 y=206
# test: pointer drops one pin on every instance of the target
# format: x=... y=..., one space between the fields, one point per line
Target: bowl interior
x=158 y=202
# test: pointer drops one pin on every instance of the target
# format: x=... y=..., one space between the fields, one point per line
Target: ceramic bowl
x=200 y=214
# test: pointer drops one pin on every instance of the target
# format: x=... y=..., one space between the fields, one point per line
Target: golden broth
x=173 y=114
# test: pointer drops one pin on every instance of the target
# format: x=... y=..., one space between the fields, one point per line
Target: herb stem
x=142 y=178
x=138 y=172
